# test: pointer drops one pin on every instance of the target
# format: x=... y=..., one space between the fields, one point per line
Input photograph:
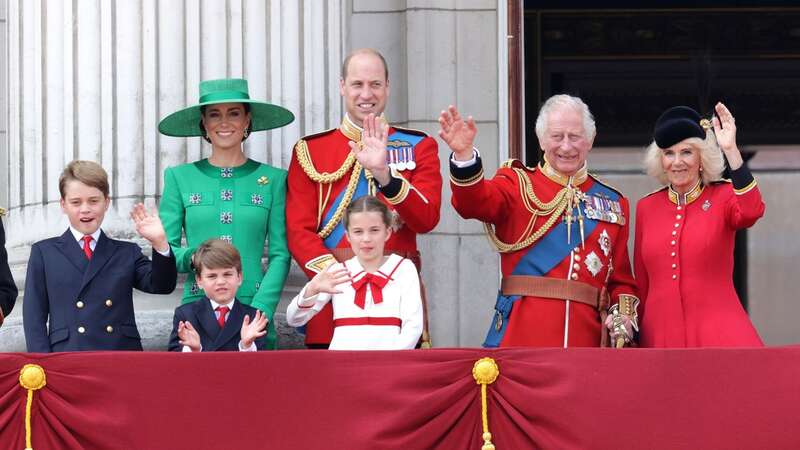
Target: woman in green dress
x=227 y=195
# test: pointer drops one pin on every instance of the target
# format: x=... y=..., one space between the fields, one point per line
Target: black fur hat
x=679 y=123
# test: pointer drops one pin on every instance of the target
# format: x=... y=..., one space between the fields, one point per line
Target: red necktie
x=376 y=281
x=223 y=311
x=87 y=248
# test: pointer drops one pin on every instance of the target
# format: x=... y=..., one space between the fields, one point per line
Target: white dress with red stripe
x=378 y=311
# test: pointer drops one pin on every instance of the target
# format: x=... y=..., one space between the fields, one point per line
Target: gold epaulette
x=410 y=131
x=3 y=212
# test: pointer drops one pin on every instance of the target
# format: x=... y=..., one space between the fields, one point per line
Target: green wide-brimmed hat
x=263 y=116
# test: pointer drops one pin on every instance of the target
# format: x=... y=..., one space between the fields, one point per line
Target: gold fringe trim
x=485 y=372
x=32 y=378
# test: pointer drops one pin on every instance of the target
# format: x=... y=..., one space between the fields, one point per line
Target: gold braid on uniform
x=553 y=208
x=348 y=196
x=308 y=167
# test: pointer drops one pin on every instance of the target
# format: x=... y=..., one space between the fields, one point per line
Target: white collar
x=215 y=305
x=357 y=270
x=79 y=236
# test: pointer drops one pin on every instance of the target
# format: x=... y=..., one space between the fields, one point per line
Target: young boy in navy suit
x=218 y=321
x=82 y=281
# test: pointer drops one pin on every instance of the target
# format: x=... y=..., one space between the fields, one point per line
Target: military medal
x=399 y=155
x=706 y=205
x=411 y=164
x=605 y=242
x=401 y=163
x=391 y=157
x=600 y=207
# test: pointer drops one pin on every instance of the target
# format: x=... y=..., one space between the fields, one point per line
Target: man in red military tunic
x=561 y=233
x=332 y=168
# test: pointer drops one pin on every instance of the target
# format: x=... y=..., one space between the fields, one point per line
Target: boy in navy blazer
x=218 y=321
x=82 y=281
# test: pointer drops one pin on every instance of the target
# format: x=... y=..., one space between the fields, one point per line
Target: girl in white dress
x=376 y=298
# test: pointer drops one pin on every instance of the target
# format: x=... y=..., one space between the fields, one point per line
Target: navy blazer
x=89 y=302
x=212 y=337
x=8 y=289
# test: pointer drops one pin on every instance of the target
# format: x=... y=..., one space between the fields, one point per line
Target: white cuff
x=309 y=302
x=252 y=347
x=463 y=164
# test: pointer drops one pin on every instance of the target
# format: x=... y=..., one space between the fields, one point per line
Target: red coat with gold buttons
x=683 y=259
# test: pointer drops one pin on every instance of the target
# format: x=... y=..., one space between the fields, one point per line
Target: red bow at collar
x=376 y=281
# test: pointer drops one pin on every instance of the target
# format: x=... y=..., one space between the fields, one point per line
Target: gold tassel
x=32 y=378
x=485 y=371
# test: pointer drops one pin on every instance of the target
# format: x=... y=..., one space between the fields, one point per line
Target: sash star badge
x=605 y=243
x=593 y=263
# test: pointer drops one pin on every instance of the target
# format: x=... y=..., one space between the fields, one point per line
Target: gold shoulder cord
x=308 y=167
x=327 y=178
x=553 y=208
x=348 y=196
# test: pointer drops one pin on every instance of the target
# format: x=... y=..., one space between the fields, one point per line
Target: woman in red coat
x=683 y=248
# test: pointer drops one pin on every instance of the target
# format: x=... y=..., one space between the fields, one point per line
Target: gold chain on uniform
x=304 y=159
x=348 y=195
x=553 y=208
x=353 y=132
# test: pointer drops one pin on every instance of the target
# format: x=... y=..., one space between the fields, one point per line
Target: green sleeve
x=172 y=214
x=269 y=293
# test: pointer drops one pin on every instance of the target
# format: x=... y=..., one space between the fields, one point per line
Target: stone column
x=92 y=78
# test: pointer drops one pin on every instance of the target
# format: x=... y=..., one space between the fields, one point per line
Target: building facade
x=90 y=79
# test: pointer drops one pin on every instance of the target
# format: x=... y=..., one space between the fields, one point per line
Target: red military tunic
x=501 y=201
x=683 y=257
x=321 y=170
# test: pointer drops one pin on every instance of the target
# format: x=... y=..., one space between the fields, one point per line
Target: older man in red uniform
x=325 y=175
x=561 y=233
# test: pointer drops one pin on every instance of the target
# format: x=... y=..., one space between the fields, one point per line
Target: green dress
x=244 y=205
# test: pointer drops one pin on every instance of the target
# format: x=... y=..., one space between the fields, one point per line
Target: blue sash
x=540 y=259
x=362 y=188
x=333 y=239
